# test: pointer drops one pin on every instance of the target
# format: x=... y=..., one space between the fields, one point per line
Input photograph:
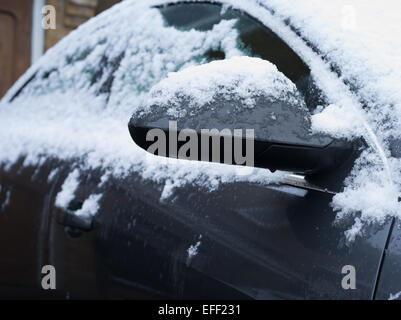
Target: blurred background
x=23 y=40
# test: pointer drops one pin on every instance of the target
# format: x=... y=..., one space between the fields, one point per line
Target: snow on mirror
x=237 y=111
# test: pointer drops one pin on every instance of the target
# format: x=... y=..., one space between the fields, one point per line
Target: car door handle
x=69 y=218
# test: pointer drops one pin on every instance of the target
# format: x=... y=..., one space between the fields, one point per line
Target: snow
x=368 y=193
x=66 y=111
x=52 y=174
x=394 y=296
x=105 y=177
x=68 y=189
x=149 y=60
x=90 y=206
x=192 y=251
x=240 y=78
x=336 y=121
x=6 y=201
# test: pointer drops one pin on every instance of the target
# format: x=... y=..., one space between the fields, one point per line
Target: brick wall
x=70 y=14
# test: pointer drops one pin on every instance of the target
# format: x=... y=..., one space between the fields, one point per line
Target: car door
x=26 y=203
x=35 y=234
x=241 y=240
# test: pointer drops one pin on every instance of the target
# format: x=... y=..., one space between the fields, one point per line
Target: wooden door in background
x=15 y=40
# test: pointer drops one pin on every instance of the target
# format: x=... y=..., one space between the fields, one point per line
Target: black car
x=113 y=221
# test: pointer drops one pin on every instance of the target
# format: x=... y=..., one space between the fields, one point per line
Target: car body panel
x=279 y=243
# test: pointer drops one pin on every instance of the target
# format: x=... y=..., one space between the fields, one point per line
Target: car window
x=254 y=39
x=131 y=64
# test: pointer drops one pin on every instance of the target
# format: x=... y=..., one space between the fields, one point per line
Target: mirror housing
x=230 y=123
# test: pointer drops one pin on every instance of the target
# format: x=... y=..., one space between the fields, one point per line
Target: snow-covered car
x=115 y=221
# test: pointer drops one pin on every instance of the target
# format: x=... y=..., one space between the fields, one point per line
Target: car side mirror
x=241 y=111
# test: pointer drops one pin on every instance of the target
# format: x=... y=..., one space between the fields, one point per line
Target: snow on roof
x=84 y=90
